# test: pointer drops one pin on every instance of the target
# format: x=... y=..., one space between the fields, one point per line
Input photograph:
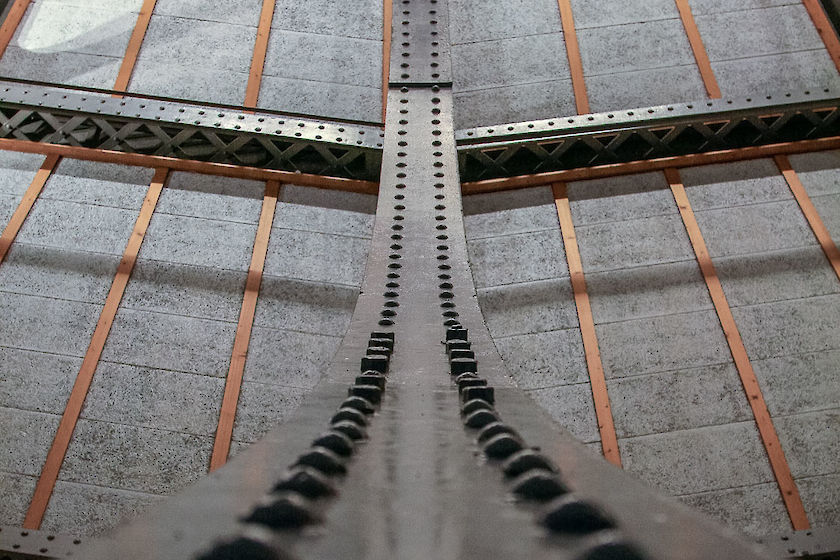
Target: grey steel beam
x=25 y=544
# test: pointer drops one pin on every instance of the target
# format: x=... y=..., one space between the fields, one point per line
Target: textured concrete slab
x=36 y=381
x=304 y=306
x=519 y=103
x=799 y=382
x=324 y=58
x=661 y=344
x=316 y=257
x=287 y=358
x=642 y=242
x=750 y=229
x=483 y=20
x=790 y=327
x=509 y=212
x=170 y=342
x=46 y=324
x=17 y=170
x=84 y=70
x=754 y=510
x=517 y=258
x=811 y=441
x=776 y=74
x=821 y=498
x=712 y=6
x=635 y=293
x=131 y=458
x=199 y=242
x=17 y=491
x=677 y=400
x=102 y=184
x=625 y=197
x=818 y=172
x=150 y=398
x=237 y=447
x=644 y=88
x=530 y=307
x=828 y=207
x=325 y=211
x=697 y=460
x=212 y=197
x=245 y=12
x=572 y=407
x=738 y=183
x=261 y=407
x=8 y=205
x=620 y=12
x=544 y=360
x=777 y=275
x=25 y=439
x=85 y=510
x=190 y=82
x=339 y=101
x=361 y=19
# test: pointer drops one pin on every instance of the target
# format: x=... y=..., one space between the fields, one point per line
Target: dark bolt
x=524 y=461
x=349 y=415
x=480 y=418
x=381 y=343
x=455 y=353
x=322 y=459
x=458 y=366
x=373 y=350
x=502 y=445
x=457 y=334
x=370 y=392
x=241 y=548
x=336 y=442
x=388 y=335
x=457 y=345
x=307 y=482
x=468 y=375
x=570 y=514
x=349 y=429
x=483 y=393
x=475 y=404
x=284 y=511
x=371 y=379
x=376 y=362
x=494 y=429
x=359 y=403
x=615 y=550
x=473 y=382
x=538 y=485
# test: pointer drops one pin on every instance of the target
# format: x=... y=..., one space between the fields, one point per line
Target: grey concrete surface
x=529 y=307
x=509 y=212
x=572 y=407
x=738 y=183
x=821 y=179
x=755 y=510
x=522 y=257
x=821 y=497
x=24 y=386
x=544 y=360
x=261 y=407
x=25 y=439
x=811 y=441
x=797 y=382
x=362 y=19
x=17 y=489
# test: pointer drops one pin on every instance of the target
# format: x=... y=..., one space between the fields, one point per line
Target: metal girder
x=817 y=544
x=28 y=544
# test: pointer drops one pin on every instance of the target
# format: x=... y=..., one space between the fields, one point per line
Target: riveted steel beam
x=25 y=544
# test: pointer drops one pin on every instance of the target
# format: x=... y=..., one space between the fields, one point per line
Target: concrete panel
x=509 y=212
x=671 y=401
x=316 y=257
x=800 y=382
x=620 y=12
x=35 y=381
x=197 y=291
x=483 y=20
x=571 y=406
x=776 y=74
x=131 y=458
x=531 y=307
x=361 y=19
x=754 y=510
x=237 y=447
x=84 y=70
x=644 y=88
x=46 y=324
x=517 y=258
x=663 y=343
x=644 y=242
x=828 y=208
x=8 y=205
x=518 y=60
x=190 y=82
x=544 y=360
x=324 y=58
x=170 y=342
x=625 y=197
x=25 y=439
x=790 y=327
x=514 y=104
x=734 y=184
x=818 y=172
x=777 y=275
x=697 y=460
x=340 y=101
x=634 y=293
x=85 y=510
x=103 y=184
x=751 y=229
x=821 y=498
x=17 y=491
x=212 y=197
x=151 y=398
x=17 y=170
x=287 y=358
x=74 y=275
x=712 y=6
x=811 y=441
x=240 y=12
x=325 y=211
x=261 y=407
x=199 y=242
x=304 y=306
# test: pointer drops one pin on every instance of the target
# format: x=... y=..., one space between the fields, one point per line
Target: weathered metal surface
x=17 y=543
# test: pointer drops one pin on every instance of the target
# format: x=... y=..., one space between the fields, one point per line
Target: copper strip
x=700 y=55
x=603 y=412
x=810 y=212
x=233 y=382
x=10 y=25
x=134 y=44
x=192 y=166
x=252 y=92
x=387 y=16
x=769 y=437
x=58 y=449
x=573 y=52
x=615 y=169
x=25 y=206
x=825 y=30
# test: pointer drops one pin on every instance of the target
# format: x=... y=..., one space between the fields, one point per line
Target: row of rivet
x=292 y=502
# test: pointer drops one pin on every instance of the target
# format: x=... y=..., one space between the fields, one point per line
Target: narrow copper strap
x=603 y=411
x=252 y=92
x=233 y=383
x=10 y=25
x=58 y=449
x=700 y=55
x=134 y=44
x=769 y=437
x=825 y=30
x=573 y=52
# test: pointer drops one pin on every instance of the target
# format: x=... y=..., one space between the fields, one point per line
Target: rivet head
x=241 y=548
x=336 y=442
x=307 y=482
x=613 y=550
x=381 y=343
x=457 y=345
x=382 y=334
x=494 y=429
x=349 y=429
x=458 y=353
x=322 y=459
x=475 y=404
x=370 y=392
x=347 y=414
x=480 y=418
x=471 y=382
x=284 y=511
x=502 y=445
x=371 y=378
x=571 y=514
x=539 y=485
x=524 y=461
x=376 y=362
x=359 y=403
x=483 y=393
x=457 y=366
x=457 y=334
